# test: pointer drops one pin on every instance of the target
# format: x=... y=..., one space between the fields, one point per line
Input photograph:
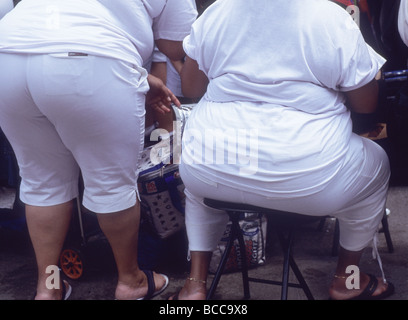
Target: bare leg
x=122 y=230
x=338 y=290
x=195 y=285
x=48 y=227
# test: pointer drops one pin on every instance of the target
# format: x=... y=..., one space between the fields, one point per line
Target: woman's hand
x=159 y=97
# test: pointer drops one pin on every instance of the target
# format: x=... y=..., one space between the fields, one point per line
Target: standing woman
x=72 y=98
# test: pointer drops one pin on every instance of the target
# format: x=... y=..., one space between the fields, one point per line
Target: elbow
x=191 y=92
x=172 y=49
x=365 y=99
x=194 y=82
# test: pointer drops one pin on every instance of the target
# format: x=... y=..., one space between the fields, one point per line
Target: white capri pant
x=356 y=198
x=64 y=114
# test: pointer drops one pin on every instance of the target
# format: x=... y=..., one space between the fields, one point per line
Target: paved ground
x=312 y=253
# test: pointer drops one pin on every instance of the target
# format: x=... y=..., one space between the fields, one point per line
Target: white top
x=122 y=29
x=277 y=68
x=403 y=21
x=5 y=7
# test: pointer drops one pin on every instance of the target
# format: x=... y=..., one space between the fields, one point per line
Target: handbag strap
x=172 y=183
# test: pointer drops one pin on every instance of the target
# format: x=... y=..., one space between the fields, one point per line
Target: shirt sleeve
x=359 y=68
x=349 y=62
x=158 y=56
x=194 y=48
x=174 y=22
x=189 y=46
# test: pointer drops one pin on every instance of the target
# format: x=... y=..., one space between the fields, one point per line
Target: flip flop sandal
x=66 y=290
x=367 y=294
x=151 y=287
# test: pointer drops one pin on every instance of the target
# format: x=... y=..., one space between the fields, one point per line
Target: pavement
x=312 y=252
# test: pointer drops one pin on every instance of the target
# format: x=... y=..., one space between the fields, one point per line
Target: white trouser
x=68 y=113
x=357 y=200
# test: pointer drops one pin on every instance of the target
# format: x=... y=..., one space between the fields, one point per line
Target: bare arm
x=159 y=70
x=193 y=81
x=172 y=49
x=364 y=99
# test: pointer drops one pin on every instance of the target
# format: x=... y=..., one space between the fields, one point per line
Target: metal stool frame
x=285 y=224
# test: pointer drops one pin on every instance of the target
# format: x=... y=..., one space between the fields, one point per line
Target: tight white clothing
x=60 y=111
x=356 y=196
x=273 y=128
x=61 y=117
x=121 y=29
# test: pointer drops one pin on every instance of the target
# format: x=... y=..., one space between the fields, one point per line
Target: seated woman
x=273 y=128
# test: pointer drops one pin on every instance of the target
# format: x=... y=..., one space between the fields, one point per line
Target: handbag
x=161 y=192
x=254 y=227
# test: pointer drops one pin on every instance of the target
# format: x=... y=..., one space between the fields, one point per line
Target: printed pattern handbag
x=162 y=196
x=254 y=227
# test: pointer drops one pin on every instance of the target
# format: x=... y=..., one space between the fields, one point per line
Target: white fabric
x=281 y=95
x=85 y=110
x=173 y=79
x=57 y=137
x=121 y=29
x=356 y=196
x=272 y=129
x=5 y=7
x=403 y=21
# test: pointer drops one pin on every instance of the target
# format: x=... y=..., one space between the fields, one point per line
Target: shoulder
x=5 y=7
x=336 y=21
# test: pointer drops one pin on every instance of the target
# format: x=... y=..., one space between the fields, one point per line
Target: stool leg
x=286 y=246
x=289 y=262
x=235 y=234
x=300 y=278
x=244 y=266
x=335 y=247
x=387 y=233
x=221 y=267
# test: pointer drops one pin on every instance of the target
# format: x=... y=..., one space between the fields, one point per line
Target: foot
x=339 y=291
x=54 y=294
x=191 y=291
x=138 y=289
x=184 y=295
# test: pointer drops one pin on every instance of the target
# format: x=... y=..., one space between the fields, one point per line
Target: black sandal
x=367 y=293
x=151 y=287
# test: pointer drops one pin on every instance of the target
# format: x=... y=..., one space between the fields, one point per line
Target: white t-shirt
x=277 y=68
x=5 y=7
x=403 y=21
x=173 y=80
x=122 y=29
